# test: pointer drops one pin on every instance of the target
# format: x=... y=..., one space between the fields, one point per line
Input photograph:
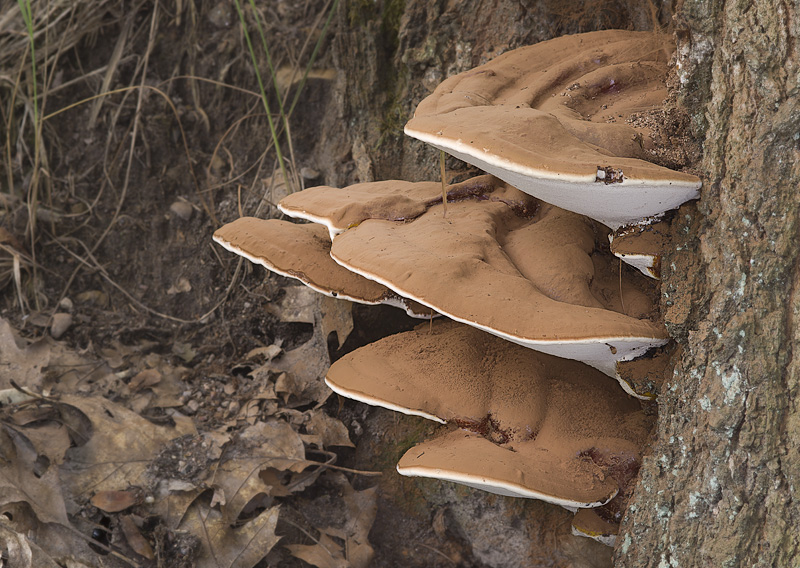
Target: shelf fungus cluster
x=539 y=315
x=554 y=120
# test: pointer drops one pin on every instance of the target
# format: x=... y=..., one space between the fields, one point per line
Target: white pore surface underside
x=613 y=204
x=496 y=486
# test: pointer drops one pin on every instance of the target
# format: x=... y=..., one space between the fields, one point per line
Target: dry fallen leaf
x=69 y=372
x=17 y=551
x=360 y=508
x=272 y=444
x=223 y=546
x=337 y=316
x=326 y=431
x=144 y=379
x=22 y=479
x=21 y=363
x=326 y=553
x=184 y=350
x=172 y=499
x=42 y=425
x=115 y=501
x=117 y=454
x=68 y=546
x=268 y=353
x=306 y=365
x=134 y=537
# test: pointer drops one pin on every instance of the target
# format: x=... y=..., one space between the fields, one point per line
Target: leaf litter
x=157 y=338
x=120 y=469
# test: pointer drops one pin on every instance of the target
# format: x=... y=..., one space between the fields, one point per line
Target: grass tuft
x=292 y=182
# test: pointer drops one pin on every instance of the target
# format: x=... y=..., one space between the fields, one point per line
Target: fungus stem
x=444 y=183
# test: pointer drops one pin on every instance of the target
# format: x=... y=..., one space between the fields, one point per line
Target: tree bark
x=722 y=486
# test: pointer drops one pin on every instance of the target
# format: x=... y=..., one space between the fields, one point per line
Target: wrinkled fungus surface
x=538 y=279
x=528 y=423
x=550 y=119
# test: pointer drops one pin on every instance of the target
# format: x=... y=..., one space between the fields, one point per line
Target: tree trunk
x=722 y=486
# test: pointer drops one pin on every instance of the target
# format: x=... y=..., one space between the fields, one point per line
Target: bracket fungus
x=526 y=265
x=641 y=246
x=516 y=267
x=340 y=209
x=550 y=120
x=588 y=523
x=528 y=424
x=303 y=252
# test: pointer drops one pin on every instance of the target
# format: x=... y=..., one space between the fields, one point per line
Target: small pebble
x=61 y=323
x=182 y=209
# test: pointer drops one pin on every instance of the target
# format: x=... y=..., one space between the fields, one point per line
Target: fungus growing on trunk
x=528 y=424
x=525 y=266
x=502 y=261
x=532 y=275
x=392 y=200
x=641 y=246
x=588 y=523
x=303 y=252
x=550 y=120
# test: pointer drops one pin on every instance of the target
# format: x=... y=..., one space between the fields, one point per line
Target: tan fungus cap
x=529 y=421
x=303 y=252
x=588 y=523
x=641 y=245
x=550 y=120
x=391 y=200
x=534 y=279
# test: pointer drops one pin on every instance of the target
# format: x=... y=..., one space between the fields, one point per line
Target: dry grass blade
x=33 y=35
x=17 y=261
x=69 y=20
x=111 y=68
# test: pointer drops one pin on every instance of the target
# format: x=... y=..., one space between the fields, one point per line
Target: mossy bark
x=722 y=487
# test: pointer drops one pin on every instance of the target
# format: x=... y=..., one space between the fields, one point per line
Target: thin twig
x=439 y=552
x=444 y=183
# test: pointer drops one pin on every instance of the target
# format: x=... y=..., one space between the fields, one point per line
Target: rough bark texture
x=722 y=487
